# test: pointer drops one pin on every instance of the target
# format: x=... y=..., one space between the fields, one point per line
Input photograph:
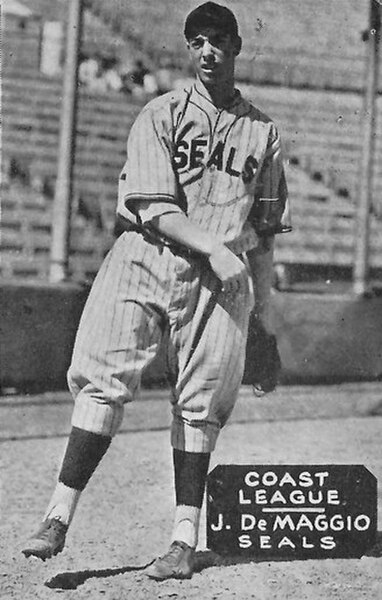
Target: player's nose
x=207 y=49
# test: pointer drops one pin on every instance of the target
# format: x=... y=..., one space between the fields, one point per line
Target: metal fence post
x=59 y=254
x=362 y=225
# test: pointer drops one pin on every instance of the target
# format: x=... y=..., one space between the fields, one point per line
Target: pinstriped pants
x=142 y=289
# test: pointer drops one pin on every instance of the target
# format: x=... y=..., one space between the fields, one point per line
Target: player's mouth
x=208 y=68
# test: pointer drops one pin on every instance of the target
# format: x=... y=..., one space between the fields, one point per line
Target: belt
x=151 y=236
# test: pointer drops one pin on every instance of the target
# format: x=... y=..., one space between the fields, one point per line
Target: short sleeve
x=148 y=172
x=156 y=209
x=271 y=212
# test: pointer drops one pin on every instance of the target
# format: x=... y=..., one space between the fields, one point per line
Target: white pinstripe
x=211 y=164
x=105 y=371
x=214 y=199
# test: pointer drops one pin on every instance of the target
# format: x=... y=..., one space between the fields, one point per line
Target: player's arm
x=263 y=353
x=174 y=224
x=270 y=211
x=260 y=260
x=148 y=179
x=269 y=216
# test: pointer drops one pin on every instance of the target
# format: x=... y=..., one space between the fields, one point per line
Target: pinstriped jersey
x=221 y=166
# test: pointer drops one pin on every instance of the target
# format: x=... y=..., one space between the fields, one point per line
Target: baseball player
x=202 y=194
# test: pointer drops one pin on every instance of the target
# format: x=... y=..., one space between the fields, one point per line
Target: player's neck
x=221 y=94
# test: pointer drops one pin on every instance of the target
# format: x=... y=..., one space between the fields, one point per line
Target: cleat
x=48 y=541
x=178 y=563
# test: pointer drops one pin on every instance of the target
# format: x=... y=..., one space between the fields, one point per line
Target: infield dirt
x=125 y=516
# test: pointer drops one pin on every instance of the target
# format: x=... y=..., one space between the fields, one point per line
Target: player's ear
x=237 y=44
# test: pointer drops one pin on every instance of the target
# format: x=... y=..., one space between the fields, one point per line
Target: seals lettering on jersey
x=229 y=166
x=216 y=157
x=191 y=156
x=196 y=156
x=180 y=157
x=249 y=169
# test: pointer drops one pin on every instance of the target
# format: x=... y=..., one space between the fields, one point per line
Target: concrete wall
x=328 y=338
x=37 y=330
x=322 y=338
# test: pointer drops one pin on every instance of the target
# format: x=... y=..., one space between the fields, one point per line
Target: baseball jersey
x=221 y=166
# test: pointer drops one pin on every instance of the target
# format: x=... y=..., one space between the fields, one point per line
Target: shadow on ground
x=204 y=560
x=71 y=580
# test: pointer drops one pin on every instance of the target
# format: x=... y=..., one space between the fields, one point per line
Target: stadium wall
x=322 y=338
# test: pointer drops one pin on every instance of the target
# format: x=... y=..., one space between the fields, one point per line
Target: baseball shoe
x=48 y=541
x=178 y=563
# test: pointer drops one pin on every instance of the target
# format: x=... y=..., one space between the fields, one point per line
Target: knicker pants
x=142 y=291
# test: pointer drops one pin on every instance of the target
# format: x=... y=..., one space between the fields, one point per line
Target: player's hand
x=231 y=271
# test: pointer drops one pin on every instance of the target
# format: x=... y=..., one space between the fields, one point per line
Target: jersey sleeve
x=270 y=212
x=148 y=171
x=156 y=209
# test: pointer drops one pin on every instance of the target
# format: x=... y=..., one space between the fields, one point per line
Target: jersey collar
x=238 y=105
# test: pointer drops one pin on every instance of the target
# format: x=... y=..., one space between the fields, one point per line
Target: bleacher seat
x=321 y=131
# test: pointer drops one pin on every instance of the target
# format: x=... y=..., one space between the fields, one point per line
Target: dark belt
x=151 y=236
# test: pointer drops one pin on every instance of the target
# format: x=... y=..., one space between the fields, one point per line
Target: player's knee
x=96 y=412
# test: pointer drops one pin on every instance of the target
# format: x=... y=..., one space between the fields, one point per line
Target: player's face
x=213 y=54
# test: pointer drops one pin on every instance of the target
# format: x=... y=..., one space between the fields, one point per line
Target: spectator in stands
x=100 y=74
x=150 y=84
x=110 y=74
x=143 y=82
x=88 y=70
x=138 y=73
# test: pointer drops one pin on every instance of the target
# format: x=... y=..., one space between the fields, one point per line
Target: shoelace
x=174 y=551
x=54 y=525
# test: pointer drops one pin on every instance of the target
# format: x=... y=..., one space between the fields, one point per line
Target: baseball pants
x=142 y=292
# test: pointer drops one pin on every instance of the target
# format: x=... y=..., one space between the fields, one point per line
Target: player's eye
x=196 y=43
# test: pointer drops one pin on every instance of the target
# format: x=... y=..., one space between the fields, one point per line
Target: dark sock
x=83 y=454
x=190 y=471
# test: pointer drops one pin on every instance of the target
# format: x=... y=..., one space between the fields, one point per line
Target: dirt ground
x=125 y=516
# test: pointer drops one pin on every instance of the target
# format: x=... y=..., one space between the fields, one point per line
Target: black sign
x=291 y=511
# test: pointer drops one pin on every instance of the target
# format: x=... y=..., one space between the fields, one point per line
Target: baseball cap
x=210 y=14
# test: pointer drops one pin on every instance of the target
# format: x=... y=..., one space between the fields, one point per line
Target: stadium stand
x=320 y=43
x=321 y=130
